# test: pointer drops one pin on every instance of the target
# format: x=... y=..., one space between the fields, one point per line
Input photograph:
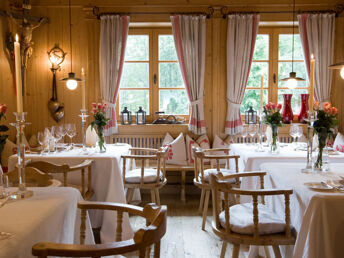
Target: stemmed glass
x=252 y=130
x=47 y=139
x=261 y=134
x=40 y=139
x=299 y=133
x=244 y=133
x=293 y=131
x=71 y=132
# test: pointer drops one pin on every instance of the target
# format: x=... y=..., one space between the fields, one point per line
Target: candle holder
x=83 y=117
x=20 y=124
x=310 y=120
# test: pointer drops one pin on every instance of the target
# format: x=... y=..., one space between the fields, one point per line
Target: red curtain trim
x=233 y=124
x=197 y=123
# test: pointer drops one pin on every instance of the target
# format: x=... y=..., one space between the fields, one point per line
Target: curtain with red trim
x=317 y=38
x=113 y=38
x=189 y=38
x=241 y=38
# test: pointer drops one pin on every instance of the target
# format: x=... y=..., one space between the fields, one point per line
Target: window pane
x=133 y=99
x=284 y=68
x=167 y=50
x=295 y=100
x=135 y=75
x=258 y=69
x=170 y=76
x=261 y=49
x=252 y=98
x=285 y=47
x=137 y=48
x=173 y=102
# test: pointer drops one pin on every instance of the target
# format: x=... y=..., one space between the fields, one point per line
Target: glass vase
x=304 y=108
x=274 y=145
x=101 y=144
x=287 y=112
x=321 y=163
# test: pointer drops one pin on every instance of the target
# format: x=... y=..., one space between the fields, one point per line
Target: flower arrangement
x=100 y=121
x=324 y=126
x=3 y=128
x=273 y=118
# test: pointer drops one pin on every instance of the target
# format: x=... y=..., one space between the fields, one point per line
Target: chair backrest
x=142 y=159
x=152 y=233
x=203 y=155
x=221 y=186
x=33 y=178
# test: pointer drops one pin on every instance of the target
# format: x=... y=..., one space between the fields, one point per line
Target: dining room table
x=316 y=207
x=251 y=159
x=107 y=182
x=50 y=215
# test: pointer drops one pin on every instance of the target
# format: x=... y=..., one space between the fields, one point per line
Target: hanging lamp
x=338 y=66
x=292 y=79
x=72 y=81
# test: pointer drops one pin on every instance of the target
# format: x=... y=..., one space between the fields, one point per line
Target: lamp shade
x=72 y=82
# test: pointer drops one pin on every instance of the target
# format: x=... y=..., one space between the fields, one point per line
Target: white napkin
x=268 y=134
x=91 y=137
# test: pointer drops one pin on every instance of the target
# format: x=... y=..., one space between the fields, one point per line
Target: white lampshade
x=72 y=84
x=291 y=83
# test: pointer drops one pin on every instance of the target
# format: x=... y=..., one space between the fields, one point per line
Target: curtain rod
x=99 y=14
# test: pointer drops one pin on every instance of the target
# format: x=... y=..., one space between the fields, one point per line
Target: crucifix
x=27 y=24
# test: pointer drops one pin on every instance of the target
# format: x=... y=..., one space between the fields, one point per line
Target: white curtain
x=113 y=38
x=317 y=38
x=189 y=38
x=241 y=38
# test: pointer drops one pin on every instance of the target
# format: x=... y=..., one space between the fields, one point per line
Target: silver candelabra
x=83 y=117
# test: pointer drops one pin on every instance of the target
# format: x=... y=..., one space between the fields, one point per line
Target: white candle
x=17 y=61
x=311 y=84
x=83 y=89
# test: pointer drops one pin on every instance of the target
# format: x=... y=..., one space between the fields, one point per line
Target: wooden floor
x=184 y=237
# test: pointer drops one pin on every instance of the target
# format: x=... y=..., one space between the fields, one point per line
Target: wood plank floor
x=184 y=237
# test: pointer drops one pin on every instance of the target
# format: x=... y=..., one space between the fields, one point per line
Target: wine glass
x=244 y=133
x=293 y=131
x=252 y=130
x=299 y=134
x=261 y=134
x=40 y=139
x=47 y=139
x=71 y=132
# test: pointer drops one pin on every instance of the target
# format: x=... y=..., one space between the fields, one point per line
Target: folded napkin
x=91 y=137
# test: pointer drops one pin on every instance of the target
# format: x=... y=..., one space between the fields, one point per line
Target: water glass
x=244 y=133
x=71 y=132
x=252 y=131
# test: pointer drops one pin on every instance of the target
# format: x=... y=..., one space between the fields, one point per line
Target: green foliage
x=274 y=119
x=325 y=123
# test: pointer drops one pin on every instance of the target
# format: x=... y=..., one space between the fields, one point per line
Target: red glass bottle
x=287 y=112
x=304 y=108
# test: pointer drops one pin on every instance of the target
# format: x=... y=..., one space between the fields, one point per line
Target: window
x=272 y=61
x=151 y=75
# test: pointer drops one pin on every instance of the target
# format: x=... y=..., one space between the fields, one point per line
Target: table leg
x=182 y=194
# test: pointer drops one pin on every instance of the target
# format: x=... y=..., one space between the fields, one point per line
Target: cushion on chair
x=225 y=172
x=134 y=176
x=176 y=152
x=241 y=220
x=219 y=143
x=203 y=142
x=189 y=144
x=338 y=144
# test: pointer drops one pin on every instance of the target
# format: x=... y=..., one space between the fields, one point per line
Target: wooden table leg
x=182 y=194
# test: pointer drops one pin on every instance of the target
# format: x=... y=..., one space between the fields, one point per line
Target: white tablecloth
x=318 y=217
x=107 y=182
x=250 y=159
x=50 y=215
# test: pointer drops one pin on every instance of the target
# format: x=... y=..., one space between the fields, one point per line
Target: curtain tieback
x=196 y=102
x=109 y=104
x=233 y=104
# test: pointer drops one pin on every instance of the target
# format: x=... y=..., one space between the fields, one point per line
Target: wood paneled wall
x=86 y=50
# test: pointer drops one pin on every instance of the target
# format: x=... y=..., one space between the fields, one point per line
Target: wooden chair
x=261 y=227
x=65 y=169
x=145 y=177
x=143 y=239
x=201 y=179
x=33 y=178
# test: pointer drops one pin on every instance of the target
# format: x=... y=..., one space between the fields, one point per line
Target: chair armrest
x=262 y=192
x=221 y=156
x=139 y=156
x=216 y=149
x=143 y=149
x=84 y=164
x=242 y=174
x=85 y=205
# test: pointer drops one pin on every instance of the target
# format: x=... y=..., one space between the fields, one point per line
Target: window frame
x=273 y=87
x=153 y=61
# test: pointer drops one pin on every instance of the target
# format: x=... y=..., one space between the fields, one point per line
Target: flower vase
x=101 y=144
x=304 y=108
x=322 y=160
x=287 y=112
x=274 y=145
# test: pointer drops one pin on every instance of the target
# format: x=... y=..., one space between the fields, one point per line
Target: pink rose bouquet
x=100 y=121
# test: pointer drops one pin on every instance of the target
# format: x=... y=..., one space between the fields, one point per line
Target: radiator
x=155 y=141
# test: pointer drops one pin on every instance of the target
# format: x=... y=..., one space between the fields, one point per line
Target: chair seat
x=241 y=220
x=225 y=172
x=134 y=176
